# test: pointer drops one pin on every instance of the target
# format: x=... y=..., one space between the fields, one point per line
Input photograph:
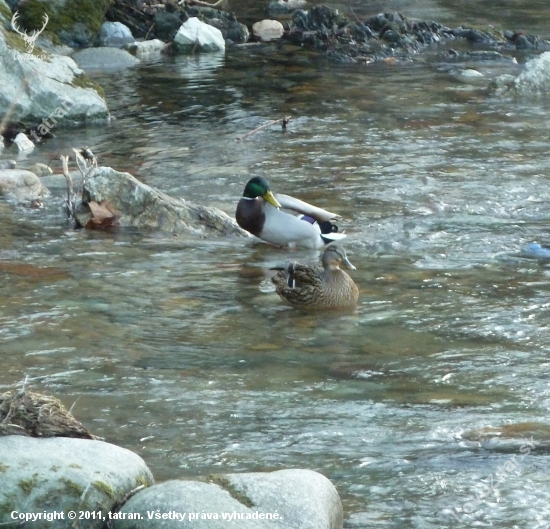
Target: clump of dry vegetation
x=35 y=415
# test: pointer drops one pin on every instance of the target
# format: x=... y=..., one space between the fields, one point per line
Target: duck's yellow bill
x=271 y=199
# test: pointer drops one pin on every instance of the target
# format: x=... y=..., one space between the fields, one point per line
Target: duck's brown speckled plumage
x=311 y=287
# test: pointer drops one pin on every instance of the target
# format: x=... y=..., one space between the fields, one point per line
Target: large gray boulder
x=142 y=206
x=286 y=499
x=62 y=474
x=51 y=88
x=21 y=185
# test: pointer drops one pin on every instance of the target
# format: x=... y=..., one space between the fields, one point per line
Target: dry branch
x=284 y=122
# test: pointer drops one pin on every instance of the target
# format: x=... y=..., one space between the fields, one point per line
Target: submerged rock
x=146 y=49
x=21 y=185
x=285 y=499
x=61 y=474
x=104 y=59
x=140 y=206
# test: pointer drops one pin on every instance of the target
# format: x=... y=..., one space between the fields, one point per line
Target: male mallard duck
x=319 y=288
x=258 y=213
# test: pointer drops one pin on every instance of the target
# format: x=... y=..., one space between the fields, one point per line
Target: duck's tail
x=332 y=237
x=329 y=232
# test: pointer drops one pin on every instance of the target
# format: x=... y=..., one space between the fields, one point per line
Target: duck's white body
x=261 y=213
x=289 y=228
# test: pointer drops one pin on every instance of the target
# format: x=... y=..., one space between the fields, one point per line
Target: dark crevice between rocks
x=226 y=485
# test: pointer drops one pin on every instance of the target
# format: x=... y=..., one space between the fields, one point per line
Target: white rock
x=115 y=34
x=23 y=143
x=268 y=29
x=194 y=35
x=146 y=49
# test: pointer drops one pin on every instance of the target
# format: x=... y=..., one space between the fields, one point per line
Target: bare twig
x=86 y=162
x=284 y=122
x=69 y=201
x=353 y=13
x=149 y=31
x=74 y=404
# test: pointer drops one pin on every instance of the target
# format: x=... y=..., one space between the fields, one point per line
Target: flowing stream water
x=176 y=348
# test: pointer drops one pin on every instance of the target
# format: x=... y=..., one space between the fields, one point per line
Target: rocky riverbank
x=54 y=471
x=42 y=65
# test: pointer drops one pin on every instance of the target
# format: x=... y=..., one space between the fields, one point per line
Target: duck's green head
x=259 y=187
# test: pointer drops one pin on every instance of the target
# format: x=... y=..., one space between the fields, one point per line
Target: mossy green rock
x=75 y=22
x=5 y=14
x=45 y=88
x=62 y=474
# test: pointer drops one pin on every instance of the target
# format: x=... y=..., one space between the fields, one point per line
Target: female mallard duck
x=259 y=213
x=319 y=288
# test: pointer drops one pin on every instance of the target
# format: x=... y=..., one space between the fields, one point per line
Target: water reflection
x=200 y=69
x=174 y=340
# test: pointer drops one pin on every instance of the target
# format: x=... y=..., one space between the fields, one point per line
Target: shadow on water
x=176 y=347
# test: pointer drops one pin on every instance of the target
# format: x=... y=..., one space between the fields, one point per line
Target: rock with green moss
x=62 y=474
x=45 y=90
x=286 y=499
x=75 y=22
x=5 y=14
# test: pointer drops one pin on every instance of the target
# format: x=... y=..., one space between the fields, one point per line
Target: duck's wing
x=284 y=229
x=300 y=275
x=299 y=206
